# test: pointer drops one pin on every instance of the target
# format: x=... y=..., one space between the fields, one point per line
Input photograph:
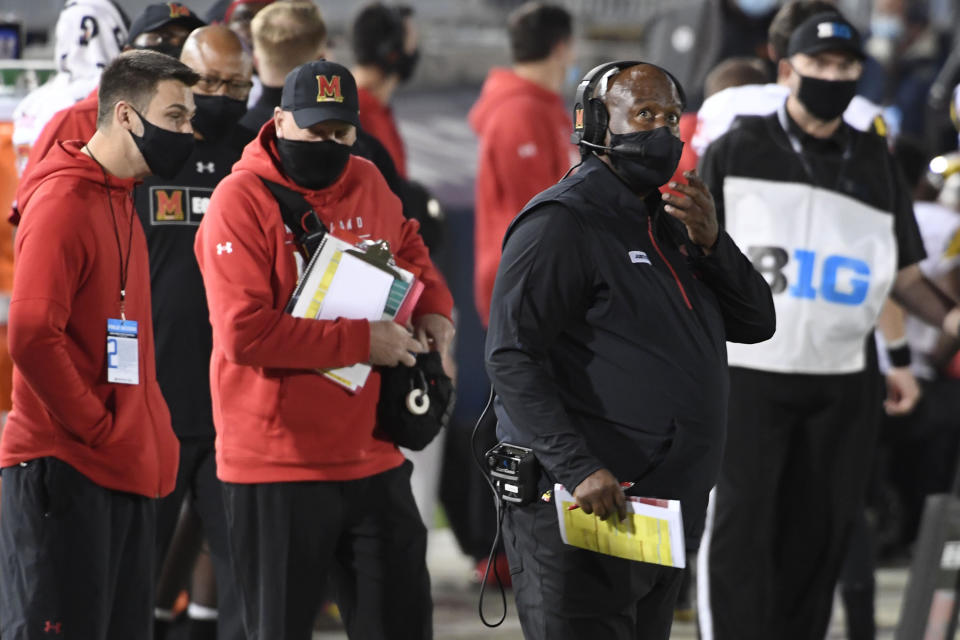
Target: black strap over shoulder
x=299 y=216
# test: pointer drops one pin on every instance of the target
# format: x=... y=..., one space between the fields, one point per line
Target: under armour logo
x=226 y=247
x=528 y=150
x=204 y=166
x=52 y=627
x=639 y=257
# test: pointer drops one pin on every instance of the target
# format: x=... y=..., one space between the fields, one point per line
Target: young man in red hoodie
x=88 y=445
x=524 y=129
x=309 y=489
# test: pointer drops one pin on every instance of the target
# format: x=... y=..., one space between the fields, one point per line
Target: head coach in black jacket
x=606 y=349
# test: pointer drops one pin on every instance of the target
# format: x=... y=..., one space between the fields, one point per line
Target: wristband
x=899 y=356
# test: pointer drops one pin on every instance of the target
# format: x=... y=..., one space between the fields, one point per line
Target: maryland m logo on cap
x=178 y=10
x=328 y=89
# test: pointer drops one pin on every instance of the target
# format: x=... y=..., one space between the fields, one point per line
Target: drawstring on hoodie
x=124 y=262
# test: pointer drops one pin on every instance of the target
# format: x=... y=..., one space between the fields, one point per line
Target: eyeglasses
x=238 y=89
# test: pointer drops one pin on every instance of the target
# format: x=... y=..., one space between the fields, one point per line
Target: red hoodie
x=76 y=122
x=276 y=419
x=524 y=133
x=377 y=119
x=66 y=285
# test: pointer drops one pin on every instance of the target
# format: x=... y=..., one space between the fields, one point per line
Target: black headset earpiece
x=590 y=115
x=389 y=49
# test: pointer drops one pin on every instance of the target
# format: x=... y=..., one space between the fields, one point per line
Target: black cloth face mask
x=165 y=48
x=825 y=99
x=645 y=160
x=313 y=164
x=216 y=115
x=407 y=64
x=164 y=151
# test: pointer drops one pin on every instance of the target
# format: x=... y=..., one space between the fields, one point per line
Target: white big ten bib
x=830 y=261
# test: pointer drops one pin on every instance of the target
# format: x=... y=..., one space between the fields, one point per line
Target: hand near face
x=695 y=209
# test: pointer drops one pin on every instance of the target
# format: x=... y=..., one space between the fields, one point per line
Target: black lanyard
x=804 y=161
x=124 y=261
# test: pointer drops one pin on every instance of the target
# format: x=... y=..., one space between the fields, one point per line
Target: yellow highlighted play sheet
x=651 y=532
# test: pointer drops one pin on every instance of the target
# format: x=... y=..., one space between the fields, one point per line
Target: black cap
x=319 y=91
x=828 y=31
x=159 y=15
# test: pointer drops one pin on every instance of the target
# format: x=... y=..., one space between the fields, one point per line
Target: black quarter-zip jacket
x=607 y=336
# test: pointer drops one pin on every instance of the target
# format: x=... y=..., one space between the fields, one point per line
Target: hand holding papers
x=651 y=532
x=343 y=280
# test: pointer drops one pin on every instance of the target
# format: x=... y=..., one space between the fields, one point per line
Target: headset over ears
x=390 y=47
x=590 y=116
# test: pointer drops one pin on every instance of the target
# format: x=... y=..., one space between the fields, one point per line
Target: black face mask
x=313 y=164
x=166 y=48
x=407 y=64
x=826 y=99
x=216 y=115
x=164 y=151
x=645 y=160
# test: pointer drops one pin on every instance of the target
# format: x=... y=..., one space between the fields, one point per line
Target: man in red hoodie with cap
x=524 y=129
x=308 y=487
x=88 y=445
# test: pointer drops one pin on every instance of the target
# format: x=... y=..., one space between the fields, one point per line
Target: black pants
x=288 y=537
x=197 y=476
x=566 y=593
x=920 y=451
x=76 y=560
x=798 y=456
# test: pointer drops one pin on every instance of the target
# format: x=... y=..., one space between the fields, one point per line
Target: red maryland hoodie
x=524 y=133
x=76 y=122
x=276 y=419
x=66 y=285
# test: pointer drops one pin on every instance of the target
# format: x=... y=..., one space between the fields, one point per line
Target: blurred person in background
x=386 y=51
x=239 y=16
x=920 y=449
x=905 y=55
x=524 y=127
x=170 y=209
x=692 y=37
x=284 y=36
x=162 y=28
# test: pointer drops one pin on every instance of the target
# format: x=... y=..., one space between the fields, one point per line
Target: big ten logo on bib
x=178 y=205
x=830 y=261
x=841 y=279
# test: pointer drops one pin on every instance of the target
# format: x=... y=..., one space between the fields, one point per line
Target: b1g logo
x=843 y=280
